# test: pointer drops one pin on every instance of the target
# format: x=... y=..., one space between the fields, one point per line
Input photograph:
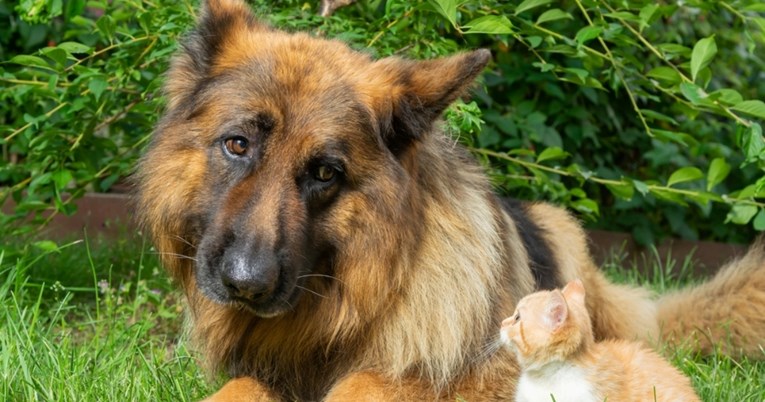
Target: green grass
x=83 y=322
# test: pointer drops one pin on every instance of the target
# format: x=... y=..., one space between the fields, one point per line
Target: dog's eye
x=325 y=173
x=236 y=146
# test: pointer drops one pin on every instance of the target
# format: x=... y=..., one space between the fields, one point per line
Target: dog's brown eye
x=325 y=173
x=237 y=146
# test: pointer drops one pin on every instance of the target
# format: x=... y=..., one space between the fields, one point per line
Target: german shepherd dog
x=341 y=247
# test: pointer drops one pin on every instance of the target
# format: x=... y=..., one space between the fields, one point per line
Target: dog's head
x=278 y=152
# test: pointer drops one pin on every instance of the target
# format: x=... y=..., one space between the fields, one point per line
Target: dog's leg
x=243 y=389
x=495 y=381
x=368 y=386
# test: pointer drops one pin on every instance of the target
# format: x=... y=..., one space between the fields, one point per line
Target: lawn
x=98 y=321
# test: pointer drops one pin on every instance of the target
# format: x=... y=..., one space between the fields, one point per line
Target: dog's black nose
x=249 y=277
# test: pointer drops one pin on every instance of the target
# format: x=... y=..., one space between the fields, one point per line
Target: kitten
x=551 y=335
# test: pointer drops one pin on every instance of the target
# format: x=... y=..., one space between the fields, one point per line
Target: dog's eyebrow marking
x=262 y=123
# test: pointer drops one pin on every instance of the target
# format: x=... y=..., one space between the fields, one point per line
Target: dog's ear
x=419 y=91
x=221 y=23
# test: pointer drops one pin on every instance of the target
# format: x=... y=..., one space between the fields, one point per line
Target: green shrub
x=639 y=115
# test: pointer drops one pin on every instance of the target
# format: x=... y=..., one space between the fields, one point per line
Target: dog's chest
x=566 y=383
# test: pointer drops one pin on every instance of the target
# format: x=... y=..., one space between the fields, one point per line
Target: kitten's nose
x=507 y=322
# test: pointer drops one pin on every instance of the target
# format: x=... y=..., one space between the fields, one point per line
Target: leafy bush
x=642 y=115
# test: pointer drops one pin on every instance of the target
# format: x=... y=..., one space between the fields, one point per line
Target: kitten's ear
x=556 y=311
x=574 y=291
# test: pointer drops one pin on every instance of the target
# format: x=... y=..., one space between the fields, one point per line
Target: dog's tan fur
x=427 y=262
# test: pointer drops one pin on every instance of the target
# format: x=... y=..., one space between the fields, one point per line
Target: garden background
x=640 y=116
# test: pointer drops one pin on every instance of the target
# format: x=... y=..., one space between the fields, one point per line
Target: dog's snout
x=249 y=277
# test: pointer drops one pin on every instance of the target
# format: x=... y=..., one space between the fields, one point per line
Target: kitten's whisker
x=488 y=350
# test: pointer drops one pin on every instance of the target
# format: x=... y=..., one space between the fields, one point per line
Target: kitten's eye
x=237 y=145
x=517 y=317
x=325 y=173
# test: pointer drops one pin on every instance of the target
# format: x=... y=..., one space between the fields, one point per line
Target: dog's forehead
x=294 y=58
x=296 y=77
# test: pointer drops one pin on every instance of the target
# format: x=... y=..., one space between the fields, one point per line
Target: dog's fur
x=388 y=280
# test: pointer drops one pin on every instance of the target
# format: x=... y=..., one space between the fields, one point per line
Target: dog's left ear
x=417 y=92
x=221 y=24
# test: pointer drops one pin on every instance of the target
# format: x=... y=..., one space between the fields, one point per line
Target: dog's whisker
x=182 y=240
x=179 y=256
x=311 y=291
x=321 y=276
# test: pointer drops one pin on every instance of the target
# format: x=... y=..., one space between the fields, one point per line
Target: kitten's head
x=548 y=326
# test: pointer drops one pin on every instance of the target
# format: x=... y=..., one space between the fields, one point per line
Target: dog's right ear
x=222 y=24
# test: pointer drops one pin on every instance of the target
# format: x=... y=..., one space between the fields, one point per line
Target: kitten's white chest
x=565 y=382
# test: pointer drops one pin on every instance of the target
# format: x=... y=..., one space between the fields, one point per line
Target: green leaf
x=586 y=206
x=593 y=83
x=534 y=41
x=623 y=15
x=27 y=60
x=61 y=178
x=97 y=85
x=654 y=115
x=751 y=107
x=674 y=48
x=588 y=33
x=543 y=67
x=759 y=221
x=666 y=74
x=727 y=96
x=718 y=171
x=645 y=15
x=447 y=8
x=760 y=21
x=693 y=93
x=741 y=214
x=752 y=143
x=622 y=190
x=703 y=52
x=687 y=173
x=489 y=24
x=74 y=47
x=759 y=7
x=581 y=74
x=676 y=137
x=107 y=26
x=57 y=55
x=553 y=15
x=529 y=4
x=641 y=187
x=552 y=153
x=74 y=8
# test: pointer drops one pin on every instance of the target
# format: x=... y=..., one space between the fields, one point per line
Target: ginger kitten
x=551 y=335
